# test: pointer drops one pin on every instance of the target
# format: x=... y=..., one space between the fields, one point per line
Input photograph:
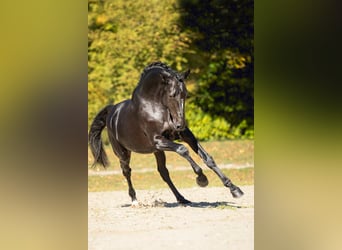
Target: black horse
x=149 y=123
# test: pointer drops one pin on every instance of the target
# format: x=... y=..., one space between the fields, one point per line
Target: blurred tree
x=222 y=35
x=124 y=36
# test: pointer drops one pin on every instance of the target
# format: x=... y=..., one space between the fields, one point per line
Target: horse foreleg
x=164 y=173
x=165 y=144
x=189 y=138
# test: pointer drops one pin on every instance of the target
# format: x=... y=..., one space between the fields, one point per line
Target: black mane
x=158 y=65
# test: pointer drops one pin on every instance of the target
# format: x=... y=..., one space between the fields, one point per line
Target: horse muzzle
x=178 y=125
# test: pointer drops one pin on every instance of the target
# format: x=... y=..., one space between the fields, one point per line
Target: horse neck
x=149 y=91
x=141 y=99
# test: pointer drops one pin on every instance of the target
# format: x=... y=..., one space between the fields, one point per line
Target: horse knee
x=182 y=150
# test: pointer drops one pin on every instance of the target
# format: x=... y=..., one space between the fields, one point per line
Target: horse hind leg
x=126 y=170
x=124 y=156
x=164 y=173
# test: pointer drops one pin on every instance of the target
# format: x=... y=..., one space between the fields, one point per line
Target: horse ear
x=185 y=74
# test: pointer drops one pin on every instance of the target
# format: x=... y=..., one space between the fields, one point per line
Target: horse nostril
x=179 y=127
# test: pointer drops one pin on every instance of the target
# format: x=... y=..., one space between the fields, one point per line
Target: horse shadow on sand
x=202 y=204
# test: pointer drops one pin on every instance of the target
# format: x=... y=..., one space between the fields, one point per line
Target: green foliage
x=208 y=127
x=204 y=126
x=124 y=37
x=222 y=34
x=221 y=93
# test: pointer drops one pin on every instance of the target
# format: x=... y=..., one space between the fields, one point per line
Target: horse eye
x=173 y=93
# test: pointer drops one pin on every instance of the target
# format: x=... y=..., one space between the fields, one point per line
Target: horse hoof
x=236 y=192
x=135 y=204
x=202 y=180
x=184 y=201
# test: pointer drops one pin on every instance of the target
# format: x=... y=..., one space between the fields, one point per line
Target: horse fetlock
x=135 y=204
x=228 y=183
x=132 y=194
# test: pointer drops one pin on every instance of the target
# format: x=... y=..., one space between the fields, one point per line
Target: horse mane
x=157 y=65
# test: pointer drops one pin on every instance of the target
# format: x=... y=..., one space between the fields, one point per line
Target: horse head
x=174 y=98
x=161 y=84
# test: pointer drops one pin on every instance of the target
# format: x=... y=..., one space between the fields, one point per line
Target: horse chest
x=152 y=113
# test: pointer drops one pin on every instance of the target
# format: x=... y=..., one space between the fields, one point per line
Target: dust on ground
x=214 y=220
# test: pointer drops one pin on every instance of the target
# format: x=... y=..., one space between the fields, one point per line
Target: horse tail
x=95 y=141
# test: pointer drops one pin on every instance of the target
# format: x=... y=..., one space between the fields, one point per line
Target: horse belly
x=133 y=138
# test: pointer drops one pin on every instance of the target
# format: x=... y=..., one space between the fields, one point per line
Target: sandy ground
x=214 y=220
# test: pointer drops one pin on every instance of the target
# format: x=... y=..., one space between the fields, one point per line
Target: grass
x=152 y=180
x=239 y=152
